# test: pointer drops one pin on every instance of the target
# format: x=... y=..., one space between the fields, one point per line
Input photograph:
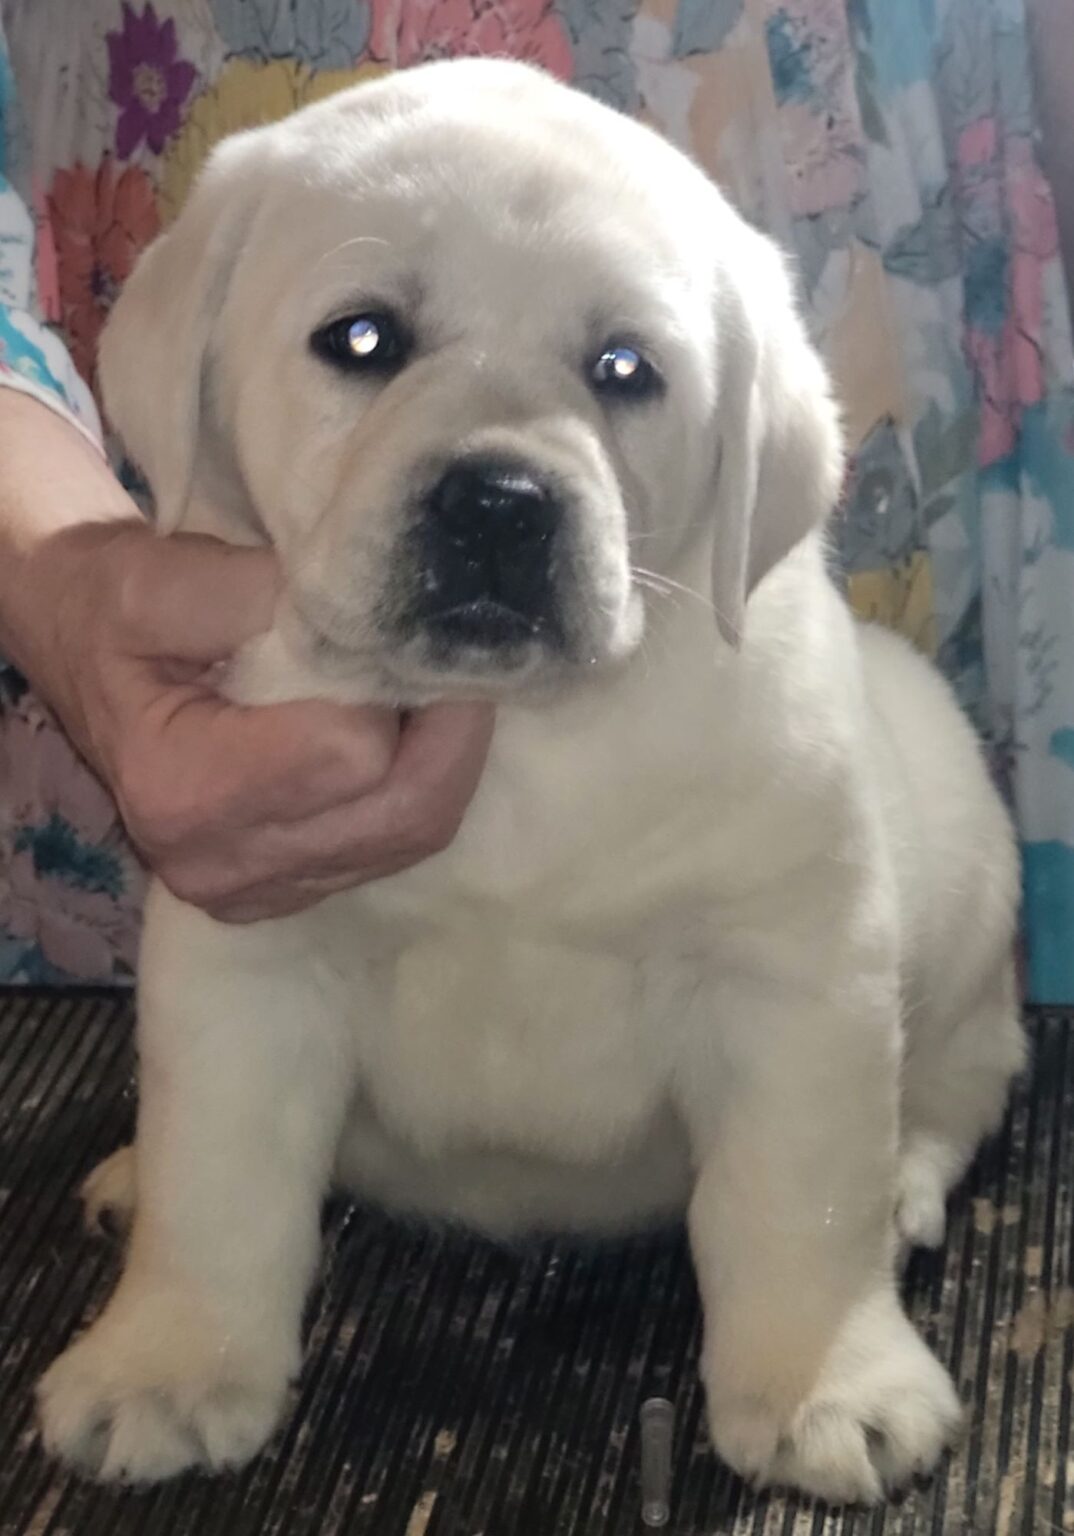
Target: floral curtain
x=890 y=144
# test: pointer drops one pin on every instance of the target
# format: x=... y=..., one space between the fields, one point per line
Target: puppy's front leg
x=244 y=1076
x=814 y=1375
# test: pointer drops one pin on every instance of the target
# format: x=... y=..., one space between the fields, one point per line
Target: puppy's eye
x=623 y=371
x=363 y=343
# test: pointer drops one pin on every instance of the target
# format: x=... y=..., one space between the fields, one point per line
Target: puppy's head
x=484 y=361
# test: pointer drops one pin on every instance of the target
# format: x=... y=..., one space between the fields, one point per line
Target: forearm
x=59 y=500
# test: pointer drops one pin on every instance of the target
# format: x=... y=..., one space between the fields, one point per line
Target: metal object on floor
x=656 y=1421
x=454 y=1388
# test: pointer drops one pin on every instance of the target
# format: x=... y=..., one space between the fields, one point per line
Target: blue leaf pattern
x=703 y=26
x=883 y=523
x=788 y=57
x=326 y=34
x=927 y=251
x=600 y=33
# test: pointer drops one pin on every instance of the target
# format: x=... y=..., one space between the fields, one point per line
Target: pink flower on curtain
x=977 y=144
x=1035 y=243
x=824 y=161
x=77 y=931
x=1013 y=235
x=998 y=430
x=100 y=222
x=811 y=63
x=46 y=267
x=66 y=880
x=146 y=80
x=409 y=31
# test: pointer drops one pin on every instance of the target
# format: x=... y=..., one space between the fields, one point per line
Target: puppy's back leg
x=108 y=1195
x=956 y=1080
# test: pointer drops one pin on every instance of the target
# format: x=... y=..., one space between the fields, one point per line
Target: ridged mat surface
x=456 y=1389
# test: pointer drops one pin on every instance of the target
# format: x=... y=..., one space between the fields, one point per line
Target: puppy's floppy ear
x=153 y=347
x=780 y=452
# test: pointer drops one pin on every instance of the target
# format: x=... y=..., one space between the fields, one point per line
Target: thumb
x=198 y=599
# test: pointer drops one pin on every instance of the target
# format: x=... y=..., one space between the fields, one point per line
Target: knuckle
x=235 y=913
x=449 y=827
x=429 y=829
x=250 y=906
x=207 y=886
x=360 y=761
x=189 y=885
x=165 y=809
x=138 y=794
x=126 y=582
x=375 y=767
x=159 y=818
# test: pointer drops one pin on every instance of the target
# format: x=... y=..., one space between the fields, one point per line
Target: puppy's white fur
x=727 y=927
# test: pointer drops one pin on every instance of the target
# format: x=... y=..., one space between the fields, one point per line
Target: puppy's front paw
x=150 y=1391
x=882 y=1411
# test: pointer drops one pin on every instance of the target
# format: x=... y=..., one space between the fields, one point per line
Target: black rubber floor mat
x=456 y=1389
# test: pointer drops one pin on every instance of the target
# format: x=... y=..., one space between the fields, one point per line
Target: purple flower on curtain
x=146 y=80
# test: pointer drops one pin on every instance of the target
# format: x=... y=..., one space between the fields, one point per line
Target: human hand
x=246 y=812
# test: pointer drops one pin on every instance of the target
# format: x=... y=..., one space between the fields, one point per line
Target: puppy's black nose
x=478 y=502
x=489 y=533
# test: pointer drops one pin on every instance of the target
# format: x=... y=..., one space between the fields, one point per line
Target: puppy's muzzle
x=488 y=534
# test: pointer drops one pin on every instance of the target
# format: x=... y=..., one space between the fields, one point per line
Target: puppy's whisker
x=665 y=586
x=345 y=245
x=657 y=533
x=643 y=579
x=657 y=591
x=651 y=578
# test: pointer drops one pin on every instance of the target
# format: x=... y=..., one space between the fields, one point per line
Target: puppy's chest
x=528 y=987
x=486 y=1038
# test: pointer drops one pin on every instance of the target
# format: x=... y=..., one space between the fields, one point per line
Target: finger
x=301 y=861
x=372 y=790
x=413 y=813
x=417 y=807
x=195 y=598
x=241 y=768
x=281 y=894
x=260 y=903
x=442 y=751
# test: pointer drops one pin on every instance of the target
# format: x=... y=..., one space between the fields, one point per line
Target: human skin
x=247 y=813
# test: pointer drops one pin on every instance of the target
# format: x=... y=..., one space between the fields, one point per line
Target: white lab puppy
x=527 y=411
